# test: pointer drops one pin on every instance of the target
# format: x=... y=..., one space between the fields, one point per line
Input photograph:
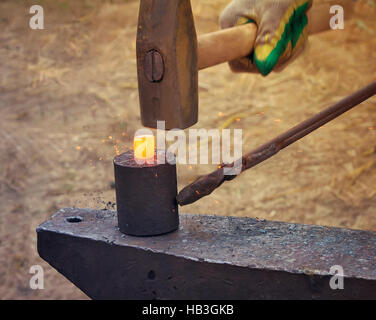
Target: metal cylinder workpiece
x=145 y=196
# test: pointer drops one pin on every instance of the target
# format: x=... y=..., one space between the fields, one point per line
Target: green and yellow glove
x=282 y=31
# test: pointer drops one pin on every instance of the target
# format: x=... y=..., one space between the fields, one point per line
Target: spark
x=116 y=150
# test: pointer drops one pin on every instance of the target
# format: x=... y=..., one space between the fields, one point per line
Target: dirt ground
x=69 y=102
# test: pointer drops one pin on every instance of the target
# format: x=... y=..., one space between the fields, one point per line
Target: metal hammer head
x=167 y=64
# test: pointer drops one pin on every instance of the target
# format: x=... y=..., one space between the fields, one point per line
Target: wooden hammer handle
x=237 y=42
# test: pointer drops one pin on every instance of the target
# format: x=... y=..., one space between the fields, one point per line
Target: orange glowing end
x=143 y=147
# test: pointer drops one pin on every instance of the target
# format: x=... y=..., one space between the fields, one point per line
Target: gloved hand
x=281 y=34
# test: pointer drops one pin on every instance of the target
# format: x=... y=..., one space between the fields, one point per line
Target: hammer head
x=167 y=64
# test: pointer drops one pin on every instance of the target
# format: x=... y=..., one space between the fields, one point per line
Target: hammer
x=169 y=56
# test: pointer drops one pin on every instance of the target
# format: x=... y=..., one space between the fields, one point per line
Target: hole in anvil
x=151 y=275
x=74 y=219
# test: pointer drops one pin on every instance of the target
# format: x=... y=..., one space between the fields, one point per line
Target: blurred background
x=69 y=103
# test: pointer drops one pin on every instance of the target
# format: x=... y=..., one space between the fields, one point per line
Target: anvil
x=209 y=257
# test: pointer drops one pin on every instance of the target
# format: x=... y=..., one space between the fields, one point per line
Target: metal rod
x=205 y=185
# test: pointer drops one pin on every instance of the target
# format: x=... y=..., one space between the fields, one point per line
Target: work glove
x=281 y=31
